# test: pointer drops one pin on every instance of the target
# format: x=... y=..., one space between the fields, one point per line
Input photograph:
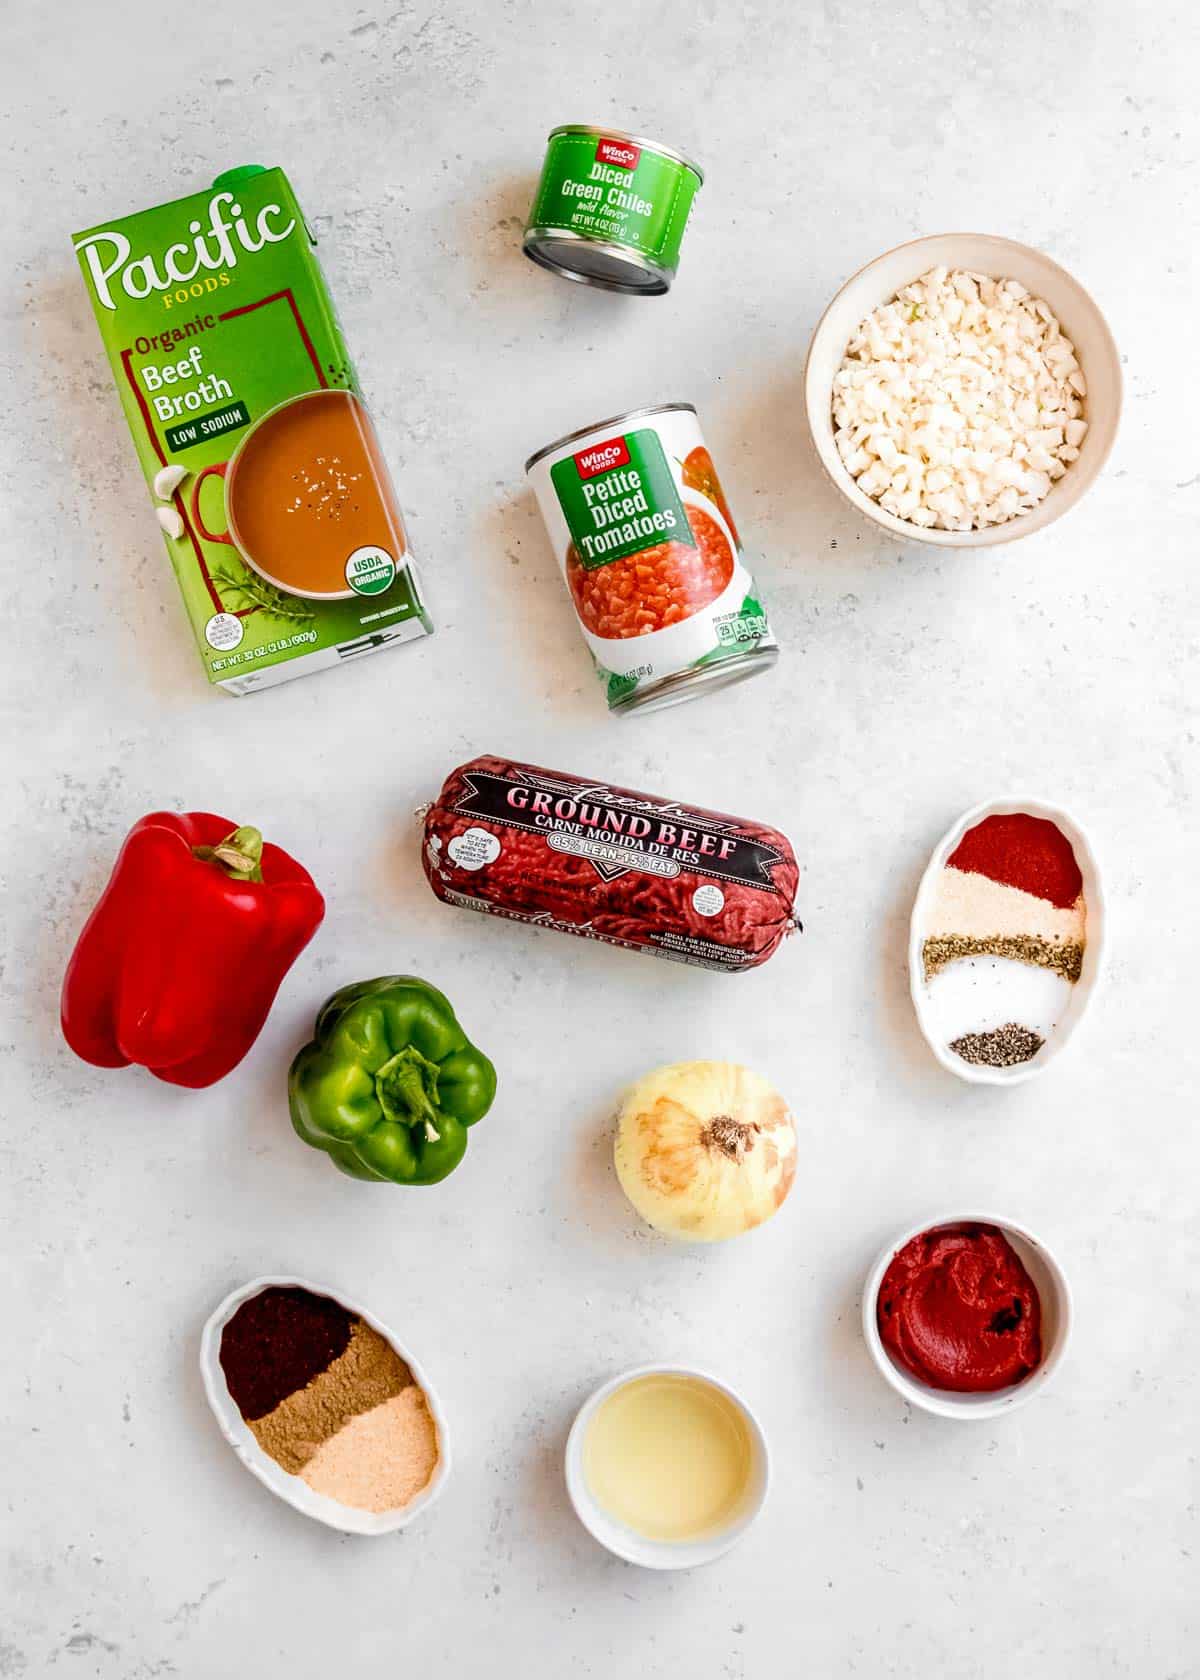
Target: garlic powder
x=959 y=403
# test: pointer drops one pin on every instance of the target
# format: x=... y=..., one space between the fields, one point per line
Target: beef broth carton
x=274 y=499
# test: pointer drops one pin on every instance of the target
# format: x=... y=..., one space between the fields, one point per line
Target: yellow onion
x=705 y=1150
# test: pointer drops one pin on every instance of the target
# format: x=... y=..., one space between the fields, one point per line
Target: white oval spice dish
x=291 y=1488
x=1002 y=952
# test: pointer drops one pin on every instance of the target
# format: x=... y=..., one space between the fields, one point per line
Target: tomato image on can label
x=652 y=558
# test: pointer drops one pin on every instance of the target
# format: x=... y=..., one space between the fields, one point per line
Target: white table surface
x=1060 y=1543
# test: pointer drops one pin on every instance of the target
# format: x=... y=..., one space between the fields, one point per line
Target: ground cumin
x=367 y=1373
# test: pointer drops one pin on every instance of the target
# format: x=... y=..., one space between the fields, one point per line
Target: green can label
x=618 y=191
x=618 y=498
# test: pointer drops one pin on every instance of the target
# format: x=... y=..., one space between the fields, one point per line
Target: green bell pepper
x=390 y=1082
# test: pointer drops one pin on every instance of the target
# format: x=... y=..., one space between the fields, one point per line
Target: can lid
x=634 y=139
x=607 y=425
x=242 y=172
x=596 y=262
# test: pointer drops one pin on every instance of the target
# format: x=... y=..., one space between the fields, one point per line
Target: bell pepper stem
x=406 y=1086
x=239 y=854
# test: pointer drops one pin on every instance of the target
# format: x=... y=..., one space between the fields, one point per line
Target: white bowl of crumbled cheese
x=963 y=390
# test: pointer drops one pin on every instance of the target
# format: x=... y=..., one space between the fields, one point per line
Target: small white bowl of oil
x=666 y=1466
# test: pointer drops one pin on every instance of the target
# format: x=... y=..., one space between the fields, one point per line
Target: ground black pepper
x=278 y=1341
x=1005 y=1046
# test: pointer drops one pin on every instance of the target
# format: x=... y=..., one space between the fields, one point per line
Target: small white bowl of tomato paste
x=967 y=1315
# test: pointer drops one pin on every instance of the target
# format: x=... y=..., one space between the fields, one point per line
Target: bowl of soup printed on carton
x=259 y=453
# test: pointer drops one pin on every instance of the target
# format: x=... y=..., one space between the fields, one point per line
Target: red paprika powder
x=1021 y=851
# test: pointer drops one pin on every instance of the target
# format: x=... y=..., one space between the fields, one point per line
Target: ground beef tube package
x=632 y=869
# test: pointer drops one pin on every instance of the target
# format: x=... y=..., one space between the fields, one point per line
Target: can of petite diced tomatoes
x=610 y=209
x=651 y=557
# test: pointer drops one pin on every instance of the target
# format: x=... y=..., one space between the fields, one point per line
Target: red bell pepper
x=180 y=961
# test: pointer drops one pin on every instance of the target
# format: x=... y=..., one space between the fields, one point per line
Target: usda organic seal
x=370 y=570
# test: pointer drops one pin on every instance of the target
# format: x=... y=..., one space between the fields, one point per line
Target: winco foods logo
x=602 y=457
x=619 y=152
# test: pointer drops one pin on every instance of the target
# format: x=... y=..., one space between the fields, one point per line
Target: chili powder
x=1021 y=851
x=278 y=1341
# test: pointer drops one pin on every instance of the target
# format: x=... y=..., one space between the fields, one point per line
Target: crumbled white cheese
x=960 y=402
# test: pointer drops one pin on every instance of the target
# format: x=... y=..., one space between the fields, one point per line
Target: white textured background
x=1060 y=1545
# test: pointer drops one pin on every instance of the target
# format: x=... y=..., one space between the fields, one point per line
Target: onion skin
x=705 y=1150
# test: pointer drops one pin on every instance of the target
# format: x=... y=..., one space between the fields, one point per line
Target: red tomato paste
x=606 y=863
x=959 y=1311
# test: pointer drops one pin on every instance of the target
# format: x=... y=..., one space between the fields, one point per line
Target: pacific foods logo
x=215 y=245
x=602 y=457
x=618 y=152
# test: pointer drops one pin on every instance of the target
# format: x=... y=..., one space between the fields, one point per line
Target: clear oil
x=670 y=1457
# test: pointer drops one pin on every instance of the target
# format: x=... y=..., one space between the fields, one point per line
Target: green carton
x=262 y=459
